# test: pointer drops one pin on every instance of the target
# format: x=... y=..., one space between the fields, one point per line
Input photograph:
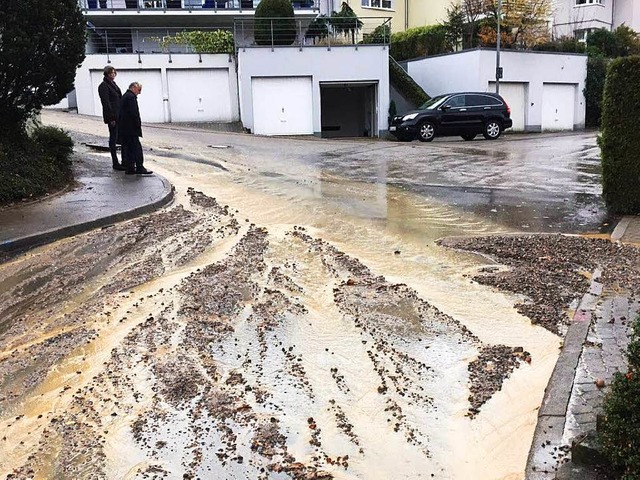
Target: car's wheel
x=492 y=130
x=469 y=136
x=426 y=131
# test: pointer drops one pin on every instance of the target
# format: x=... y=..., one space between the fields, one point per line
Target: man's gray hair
x=108 y=69
x=134 y=84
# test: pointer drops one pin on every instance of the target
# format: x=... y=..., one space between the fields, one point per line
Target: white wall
x=569 y=17
x=154 y=68
x=627 y=12
x=473 y=70
x=364 y=63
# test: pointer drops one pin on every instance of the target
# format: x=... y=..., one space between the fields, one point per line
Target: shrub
x=619 y=141
x=419 y=42
x=35 y=165
x=274 y=23
x=216 y=41
x=54 y=143
x=318 y=28
x=381 y=34
x=620 y=431
x=594 y=88
x=562 y=44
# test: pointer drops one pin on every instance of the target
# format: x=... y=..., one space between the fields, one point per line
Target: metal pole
x=498 y=48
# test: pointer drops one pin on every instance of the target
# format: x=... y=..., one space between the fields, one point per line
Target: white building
x=576 y=18
x=544 y=90
x=338 y=87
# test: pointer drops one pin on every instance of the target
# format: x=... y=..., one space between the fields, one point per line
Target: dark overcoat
x=129 y=123
x=110 y=97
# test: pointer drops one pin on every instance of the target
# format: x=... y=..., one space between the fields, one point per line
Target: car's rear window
x=482 y=100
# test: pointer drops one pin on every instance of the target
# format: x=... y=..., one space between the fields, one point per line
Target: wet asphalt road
x=547 y=182
x=523 y=182
x=537 y=183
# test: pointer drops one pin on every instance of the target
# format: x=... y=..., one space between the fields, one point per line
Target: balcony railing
x=175 y=5
x=321 y=31
x=272 y=32
x=145 y=40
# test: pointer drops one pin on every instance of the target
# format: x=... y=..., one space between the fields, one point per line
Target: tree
x=473 y=9
x=275 y=24
x=345 y=21
x=524 y=23
x=454 y=26
x=602 y=42
x=621 y=42
x=628 y=41
x=41 y=46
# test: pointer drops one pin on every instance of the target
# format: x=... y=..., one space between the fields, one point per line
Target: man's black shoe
x=130 y=172
x=143 y=171
x=119 y=167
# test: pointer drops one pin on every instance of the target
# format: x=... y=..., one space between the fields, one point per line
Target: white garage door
x=200 y=95
x=282 y=105
x=149 y=101
x=558 y=103
x=515 y=94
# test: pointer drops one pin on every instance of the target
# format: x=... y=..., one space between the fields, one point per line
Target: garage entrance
x=150 y=101
x=349 y=109
x=282 y=105
x=199 y=94
x=558 y=106
x=515 y=94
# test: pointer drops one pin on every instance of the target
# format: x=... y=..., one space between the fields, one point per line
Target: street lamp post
x=498 y=67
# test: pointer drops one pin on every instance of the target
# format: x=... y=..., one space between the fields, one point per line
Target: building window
x=586 y=2
x=377 y=3
x=581 y=35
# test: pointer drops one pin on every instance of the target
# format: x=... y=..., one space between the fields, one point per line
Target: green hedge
x=620 y=431
x=406 y=85
x=594 y=88
x=216 y=41
x=32 y=167
x=419 y=42
x=620 y=141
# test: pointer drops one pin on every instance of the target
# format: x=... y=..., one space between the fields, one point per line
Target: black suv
x=466 y=114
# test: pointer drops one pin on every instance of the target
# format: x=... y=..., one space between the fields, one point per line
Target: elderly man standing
x=130 y=131
x=110 y=96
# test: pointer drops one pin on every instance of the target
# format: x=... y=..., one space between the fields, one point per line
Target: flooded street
x=290 y=315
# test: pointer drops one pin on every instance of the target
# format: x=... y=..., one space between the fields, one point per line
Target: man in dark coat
x=110 y=96
x=130 y=131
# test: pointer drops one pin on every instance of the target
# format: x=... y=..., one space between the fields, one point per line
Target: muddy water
x=312 y=327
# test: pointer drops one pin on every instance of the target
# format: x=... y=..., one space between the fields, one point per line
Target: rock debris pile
x=553 y=271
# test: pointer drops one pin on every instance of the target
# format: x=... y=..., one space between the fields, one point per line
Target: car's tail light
x=508 y=109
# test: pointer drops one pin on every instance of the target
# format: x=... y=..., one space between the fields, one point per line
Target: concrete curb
x=17 y=245
x=620 y=229
x=542 y=461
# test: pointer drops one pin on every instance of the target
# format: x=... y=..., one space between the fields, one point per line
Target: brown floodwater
x=175 y=357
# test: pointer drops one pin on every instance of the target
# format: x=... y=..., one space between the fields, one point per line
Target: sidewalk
x=100 y=197
x=564 y=446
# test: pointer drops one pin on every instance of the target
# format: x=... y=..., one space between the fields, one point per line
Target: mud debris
x=552 y=271
x=222 y=368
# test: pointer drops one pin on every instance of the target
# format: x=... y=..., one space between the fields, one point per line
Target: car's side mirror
x=446 y=107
